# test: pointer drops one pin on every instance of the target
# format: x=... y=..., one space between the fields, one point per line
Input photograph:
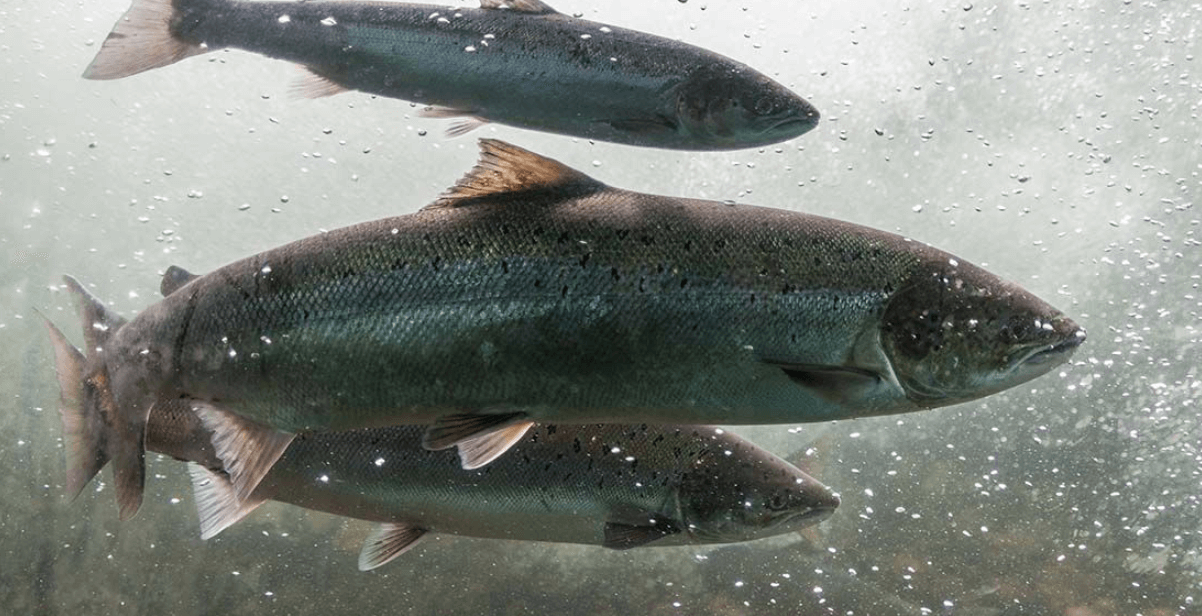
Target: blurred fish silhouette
x=532 y=292
x=519 y=63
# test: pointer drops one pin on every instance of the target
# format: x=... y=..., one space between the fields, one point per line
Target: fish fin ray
x=247 y=449
x=450 y=430
x=837 y=384
x=387 y=541
x=465 y=126
x=314 y=84
x=141 y=40
x=84 y=430
x=505 y=169
x=123 y=427
x=623 y=536
x=217 y=505
x=174 y=278
x=477 y=452
x=522 y=6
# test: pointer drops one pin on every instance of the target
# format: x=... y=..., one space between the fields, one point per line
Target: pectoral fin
x=386 y=542
x=216 y=504
x=247 y=449
x=479 y=451
x=623 y=536
x=837 y=384
x=475 y=433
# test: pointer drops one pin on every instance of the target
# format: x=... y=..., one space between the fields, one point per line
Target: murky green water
x=1055 y=143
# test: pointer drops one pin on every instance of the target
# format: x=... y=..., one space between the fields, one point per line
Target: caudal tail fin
x=95 y=430
x=141 y=40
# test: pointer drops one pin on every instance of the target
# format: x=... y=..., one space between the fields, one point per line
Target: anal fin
x=247 y=449
x=216 y=504
x=386 y=542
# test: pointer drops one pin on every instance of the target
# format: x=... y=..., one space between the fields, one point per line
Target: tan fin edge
x=313 y=84
x=477 y=452
x=386 y=542
x=217 y=505
x=521 y=6
x=247 y=449
x=504 y=168
x=141 y=40
x=84 y=431
x=450 y=430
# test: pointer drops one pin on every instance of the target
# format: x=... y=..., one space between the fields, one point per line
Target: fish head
x=956 y=332
x=740 y=492
x=730 y=107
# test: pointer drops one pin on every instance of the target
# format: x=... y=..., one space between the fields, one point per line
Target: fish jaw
x=727 y=107
x=770 y=496
x=957 y=333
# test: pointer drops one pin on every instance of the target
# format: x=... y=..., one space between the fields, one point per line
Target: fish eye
x=765 y=106
x=777 y=502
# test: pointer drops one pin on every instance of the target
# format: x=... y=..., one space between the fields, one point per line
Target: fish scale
x=532 y=292
x=526 y=66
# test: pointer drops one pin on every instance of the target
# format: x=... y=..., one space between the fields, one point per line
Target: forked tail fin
x=141 y=40
x=95 y=429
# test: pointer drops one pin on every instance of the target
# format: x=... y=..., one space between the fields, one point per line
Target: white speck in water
x=586 y=36
x=953 y=262
x=284 y=19
x=615 y=450
x=629 y=458
x=174 y=501
x=233 y=353
x=606 y=29
x=324 y=479
x=379 y=461
x=266 y=269
x=470 y=48
x=443 y=20
x=490 y=36
x=395 y=231
x=265 y=339
x=329 y=21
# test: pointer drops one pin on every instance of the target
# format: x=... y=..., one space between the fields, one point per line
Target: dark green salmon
x=614 y=485
x=532 y=292
x=519 y=63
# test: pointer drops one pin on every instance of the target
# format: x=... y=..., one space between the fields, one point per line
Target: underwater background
x=1054 y=143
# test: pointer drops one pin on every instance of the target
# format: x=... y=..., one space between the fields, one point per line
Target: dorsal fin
x=174 y=278
x=521 y=6
x=505 y=168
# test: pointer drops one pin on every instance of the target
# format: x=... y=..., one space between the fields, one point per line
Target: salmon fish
x=613 y=485
x=519 y=63
x=532 y=292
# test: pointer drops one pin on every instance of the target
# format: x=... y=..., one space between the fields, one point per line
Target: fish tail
x=143 y=39
x=94 y=428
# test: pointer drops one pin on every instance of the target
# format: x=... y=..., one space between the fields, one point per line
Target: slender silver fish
x=515 y=62
x=618 y=486
x=532 y=292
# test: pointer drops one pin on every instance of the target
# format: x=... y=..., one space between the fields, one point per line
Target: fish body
x=524 y=65
x=614 y=485
x=531 y=292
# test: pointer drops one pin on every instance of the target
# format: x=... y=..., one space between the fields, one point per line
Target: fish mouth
x=794 y=124
x=1057 y=352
